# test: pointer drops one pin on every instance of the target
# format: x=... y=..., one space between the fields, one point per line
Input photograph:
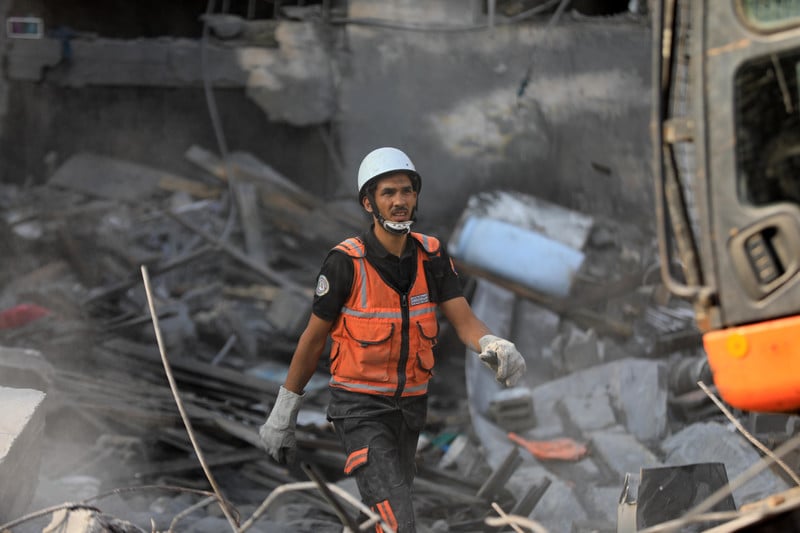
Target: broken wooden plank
x=207 y=161
x=247 y=166
x=266 y=293
x=194 y=188
x=251 y=222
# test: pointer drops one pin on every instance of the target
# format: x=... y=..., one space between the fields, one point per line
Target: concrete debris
x=512 y=409
x=22 y=421
x=610 y=389
x=634 y=400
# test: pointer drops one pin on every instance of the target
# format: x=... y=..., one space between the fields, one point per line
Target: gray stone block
x=640 y=389
x=591 y=411
x=25 y=369
x=512 y=409
x=601 y=502
x=586 y=468
x=635 y=387
x=21 y=432
x=559 y=506
x=621 y=453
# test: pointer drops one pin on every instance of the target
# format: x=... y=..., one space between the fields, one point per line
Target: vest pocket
x=431 y=337
x=427 y=340
x=371 y=349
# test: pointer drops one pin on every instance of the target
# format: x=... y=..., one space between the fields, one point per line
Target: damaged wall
x=575 y=133
x=147 y=125
x=577 y=136
x=94 y=85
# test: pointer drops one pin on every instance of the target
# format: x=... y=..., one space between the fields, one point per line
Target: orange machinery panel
x=757 y=366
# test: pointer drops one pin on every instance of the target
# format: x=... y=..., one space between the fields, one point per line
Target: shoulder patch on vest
x=323 y=286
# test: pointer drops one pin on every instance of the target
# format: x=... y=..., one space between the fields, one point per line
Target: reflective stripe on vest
x=381 y=346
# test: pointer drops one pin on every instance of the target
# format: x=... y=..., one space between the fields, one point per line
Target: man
x=377 y=297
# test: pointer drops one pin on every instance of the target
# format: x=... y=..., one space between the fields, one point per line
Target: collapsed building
x=218 y=146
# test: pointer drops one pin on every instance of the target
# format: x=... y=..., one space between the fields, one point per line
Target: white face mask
x=398 y=227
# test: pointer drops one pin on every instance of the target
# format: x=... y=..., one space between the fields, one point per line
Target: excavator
x=726 y=165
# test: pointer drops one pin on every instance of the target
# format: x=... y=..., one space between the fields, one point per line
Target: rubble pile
x=233 y=252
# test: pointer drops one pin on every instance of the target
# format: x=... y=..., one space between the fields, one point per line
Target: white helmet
x=377 y=163
x=383 y=160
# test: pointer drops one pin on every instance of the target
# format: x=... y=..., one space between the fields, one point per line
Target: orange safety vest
x=383 y=340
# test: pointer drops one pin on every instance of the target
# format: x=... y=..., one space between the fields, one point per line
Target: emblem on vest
x=419 y=299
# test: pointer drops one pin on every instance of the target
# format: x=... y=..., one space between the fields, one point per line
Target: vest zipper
x=401 y=363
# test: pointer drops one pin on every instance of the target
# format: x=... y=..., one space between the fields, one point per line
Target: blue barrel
x=517 y=254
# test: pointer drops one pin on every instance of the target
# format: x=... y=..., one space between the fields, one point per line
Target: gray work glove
x=277 y=433
x=503 y=358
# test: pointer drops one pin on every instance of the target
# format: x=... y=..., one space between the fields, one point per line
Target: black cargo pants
x=380 y=435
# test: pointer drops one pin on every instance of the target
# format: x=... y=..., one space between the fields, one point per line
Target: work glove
x=503 y=358
x=277 y=433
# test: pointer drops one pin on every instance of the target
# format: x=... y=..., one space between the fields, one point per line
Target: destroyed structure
x=230 y=216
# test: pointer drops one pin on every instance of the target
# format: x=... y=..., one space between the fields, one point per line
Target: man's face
x=395 y=197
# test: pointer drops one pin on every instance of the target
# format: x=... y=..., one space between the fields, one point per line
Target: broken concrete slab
x=641 y=394
x=714 y=442
x=25 y=368
x=636 y=388
x=558 y=508
x=602 y=502
x=107 y=177
x=21 y=431
x=621 y=453
x=589 y=412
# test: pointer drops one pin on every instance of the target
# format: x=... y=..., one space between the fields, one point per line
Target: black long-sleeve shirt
x=335 y=280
